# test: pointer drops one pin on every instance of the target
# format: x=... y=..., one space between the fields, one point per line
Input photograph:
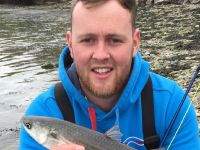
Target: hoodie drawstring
x=92 y=115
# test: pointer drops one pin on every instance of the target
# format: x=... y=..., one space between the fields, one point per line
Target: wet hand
x=69 y=147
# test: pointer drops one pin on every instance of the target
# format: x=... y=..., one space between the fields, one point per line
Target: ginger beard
x=108 y=87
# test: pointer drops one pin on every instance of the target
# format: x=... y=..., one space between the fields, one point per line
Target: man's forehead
x=110 y=16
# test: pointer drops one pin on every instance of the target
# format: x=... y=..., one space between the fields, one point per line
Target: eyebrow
x=81 y=36
x=110 y=35
x=117 y=36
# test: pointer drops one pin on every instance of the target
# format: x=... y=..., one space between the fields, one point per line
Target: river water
x=31 y=39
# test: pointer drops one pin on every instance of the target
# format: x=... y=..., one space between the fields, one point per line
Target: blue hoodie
x=167 y=97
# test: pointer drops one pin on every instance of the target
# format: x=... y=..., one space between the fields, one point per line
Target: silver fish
x=51 y=132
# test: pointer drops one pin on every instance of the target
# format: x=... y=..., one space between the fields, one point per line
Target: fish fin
x=114 y=133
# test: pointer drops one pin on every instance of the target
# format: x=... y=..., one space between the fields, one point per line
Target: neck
x=104 y=103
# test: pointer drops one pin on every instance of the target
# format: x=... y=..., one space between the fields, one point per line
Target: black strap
x=151 y=139
x=63 y=102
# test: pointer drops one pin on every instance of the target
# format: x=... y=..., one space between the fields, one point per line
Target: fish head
x=41 y=130
x=36 y=129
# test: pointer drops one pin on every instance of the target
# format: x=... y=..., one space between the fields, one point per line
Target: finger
x=68 y=147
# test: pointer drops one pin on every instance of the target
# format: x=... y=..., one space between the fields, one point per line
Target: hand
x=69 y=147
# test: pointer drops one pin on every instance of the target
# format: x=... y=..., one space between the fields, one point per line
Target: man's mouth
x=102 y=70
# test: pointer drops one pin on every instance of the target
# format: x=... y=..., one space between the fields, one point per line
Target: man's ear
x=136 y=41
x=69 y=42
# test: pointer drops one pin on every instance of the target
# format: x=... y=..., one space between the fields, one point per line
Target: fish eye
x=28 y=125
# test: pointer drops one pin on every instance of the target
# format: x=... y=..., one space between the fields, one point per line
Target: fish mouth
x=26 y=123
x=22 y=121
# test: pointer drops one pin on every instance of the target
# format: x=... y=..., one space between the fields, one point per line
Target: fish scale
x=93 y=140
x=51 y=132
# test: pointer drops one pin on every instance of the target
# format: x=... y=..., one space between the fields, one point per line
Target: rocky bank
x=140 y=2
x=170 y=41
x=148 y=2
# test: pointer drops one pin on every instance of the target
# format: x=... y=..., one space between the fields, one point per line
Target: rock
x=162 y=1
x=149 y=2
x=197 y=26
x=30 y=2
x=198 y=114
x=194 y=1
x=159 y=2
x=141 y=2
x=49 y=65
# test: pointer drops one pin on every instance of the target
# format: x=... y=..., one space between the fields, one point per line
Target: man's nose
x=101 y=52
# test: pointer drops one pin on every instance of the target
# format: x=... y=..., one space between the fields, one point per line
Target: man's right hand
x=69 y=147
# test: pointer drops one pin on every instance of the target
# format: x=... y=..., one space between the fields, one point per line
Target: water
x=31 y=39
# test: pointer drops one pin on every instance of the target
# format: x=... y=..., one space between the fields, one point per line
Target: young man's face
x=102 y=44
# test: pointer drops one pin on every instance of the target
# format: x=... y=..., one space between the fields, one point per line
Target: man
x=107 y=78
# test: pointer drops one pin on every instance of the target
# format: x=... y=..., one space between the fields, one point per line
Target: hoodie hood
x=130 y=94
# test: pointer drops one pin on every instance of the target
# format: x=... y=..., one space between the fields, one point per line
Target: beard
x=103 y=89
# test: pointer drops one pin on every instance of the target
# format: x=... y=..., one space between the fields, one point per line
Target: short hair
x=130 y=5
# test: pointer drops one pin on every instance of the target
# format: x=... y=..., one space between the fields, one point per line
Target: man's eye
x=88 y=40
x=115 y=41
